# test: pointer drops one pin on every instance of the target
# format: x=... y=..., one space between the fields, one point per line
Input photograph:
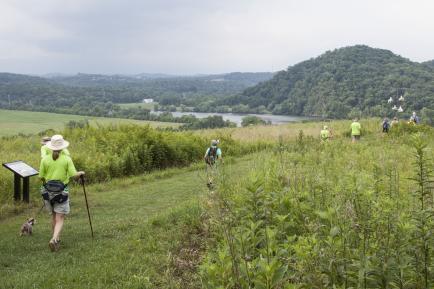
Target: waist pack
x=55 y=192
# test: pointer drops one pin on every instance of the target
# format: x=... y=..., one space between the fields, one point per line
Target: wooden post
x=26 y=197
x=17 y=187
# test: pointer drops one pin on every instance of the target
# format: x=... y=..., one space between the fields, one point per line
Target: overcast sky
x=202 y=36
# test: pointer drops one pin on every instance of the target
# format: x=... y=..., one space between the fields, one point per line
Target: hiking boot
x=54 y=245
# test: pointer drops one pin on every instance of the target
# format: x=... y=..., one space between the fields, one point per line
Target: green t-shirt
x=325 y=134
x=61 y=169
x=355 y=128
x=45 y=151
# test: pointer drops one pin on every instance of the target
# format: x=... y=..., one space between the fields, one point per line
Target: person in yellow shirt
x=355 y=130
x=55 y=172
x=325 y=134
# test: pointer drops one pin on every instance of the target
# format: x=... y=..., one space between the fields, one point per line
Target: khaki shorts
x=59 y=208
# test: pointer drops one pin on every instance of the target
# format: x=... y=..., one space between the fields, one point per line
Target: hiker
x=355 y=130
x=55 y=171
x=46 y=151
x=414 y=118
x=394 y=122
x=325 y=134
x=386 y=125
x=212 y=155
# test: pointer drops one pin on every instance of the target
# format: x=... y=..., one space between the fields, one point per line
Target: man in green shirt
x=325 y=134
x=355 y=130
x=55 y=171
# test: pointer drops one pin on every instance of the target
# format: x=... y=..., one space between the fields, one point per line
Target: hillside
x=94 y=94
x=345 y=81
x=429 y=63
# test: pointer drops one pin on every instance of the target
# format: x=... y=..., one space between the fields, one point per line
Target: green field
x=13 y=122
x=298 y=213
x=137 y=221
x=137 y=105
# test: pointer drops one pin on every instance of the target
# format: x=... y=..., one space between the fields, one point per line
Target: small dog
x=27 y=227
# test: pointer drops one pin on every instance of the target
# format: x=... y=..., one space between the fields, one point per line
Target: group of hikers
x=57 y=170
x=356 y=127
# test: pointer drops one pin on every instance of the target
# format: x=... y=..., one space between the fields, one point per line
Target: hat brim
x=57 y=148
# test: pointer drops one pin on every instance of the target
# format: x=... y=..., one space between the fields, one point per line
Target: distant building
x=148 y=100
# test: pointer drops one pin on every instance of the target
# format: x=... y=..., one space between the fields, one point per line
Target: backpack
x=211 y=156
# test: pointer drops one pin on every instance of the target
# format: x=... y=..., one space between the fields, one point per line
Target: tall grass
x=328 y=215
x=107 y=152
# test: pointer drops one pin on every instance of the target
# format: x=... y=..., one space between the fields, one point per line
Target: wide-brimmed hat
x=45 y=139
x=57 y=143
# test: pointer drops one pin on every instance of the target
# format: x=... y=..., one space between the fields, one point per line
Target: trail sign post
x=23 y=171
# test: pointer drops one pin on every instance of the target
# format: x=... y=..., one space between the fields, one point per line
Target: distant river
x=237 y=118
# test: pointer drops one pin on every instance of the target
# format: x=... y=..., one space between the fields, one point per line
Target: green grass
x=139 y=223
x=13 y=122
x=137 y=105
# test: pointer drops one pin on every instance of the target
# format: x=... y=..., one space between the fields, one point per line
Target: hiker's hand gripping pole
x=82 y=180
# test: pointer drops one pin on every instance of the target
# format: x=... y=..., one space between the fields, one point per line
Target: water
x=237 y=118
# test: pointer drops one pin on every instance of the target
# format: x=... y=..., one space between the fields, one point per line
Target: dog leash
x=40 y=210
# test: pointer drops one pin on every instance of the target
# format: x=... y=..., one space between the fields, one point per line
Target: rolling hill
x=346 y=81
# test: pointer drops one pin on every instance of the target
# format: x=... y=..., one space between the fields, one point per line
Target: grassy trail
x=127 y=247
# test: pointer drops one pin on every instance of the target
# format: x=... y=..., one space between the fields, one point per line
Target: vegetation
x=356 y=79
x=328 y=215
x=107 y=152
x=98 y=95
x=297 y=213
x=429 y=63
x=252 y=120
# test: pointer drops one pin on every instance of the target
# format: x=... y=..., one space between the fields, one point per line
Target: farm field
x=13 y=122
x=137 y=105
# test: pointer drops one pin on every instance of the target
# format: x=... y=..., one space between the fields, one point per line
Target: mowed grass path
x=126 y=249
x=13 y=122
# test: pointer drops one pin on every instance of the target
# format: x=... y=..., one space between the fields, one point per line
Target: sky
x=202 y=36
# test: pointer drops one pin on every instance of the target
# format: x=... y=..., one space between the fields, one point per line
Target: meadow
x=328 y=215
x=14 y=122
x=287 y=211
x=142 y=226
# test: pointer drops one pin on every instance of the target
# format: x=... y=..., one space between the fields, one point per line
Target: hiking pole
x=87 y=205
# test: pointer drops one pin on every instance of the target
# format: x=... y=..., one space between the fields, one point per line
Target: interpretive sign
x=23 y=171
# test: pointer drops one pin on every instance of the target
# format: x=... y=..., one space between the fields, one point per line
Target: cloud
x=186 y=36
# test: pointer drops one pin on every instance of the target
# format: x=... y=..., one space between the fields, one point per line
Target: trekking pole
x=87 y=205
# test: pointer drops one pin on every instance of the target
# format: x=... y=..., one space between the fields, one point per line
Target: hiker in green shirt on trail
x=355 y=130
x=325 y=134
x=213 y=156
x=55 y=171
x=45 y=151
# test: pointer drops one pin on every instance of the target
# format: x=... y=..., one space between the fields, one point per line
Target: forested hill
x=430 y=63
x=84 y=90
x=343 y=82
